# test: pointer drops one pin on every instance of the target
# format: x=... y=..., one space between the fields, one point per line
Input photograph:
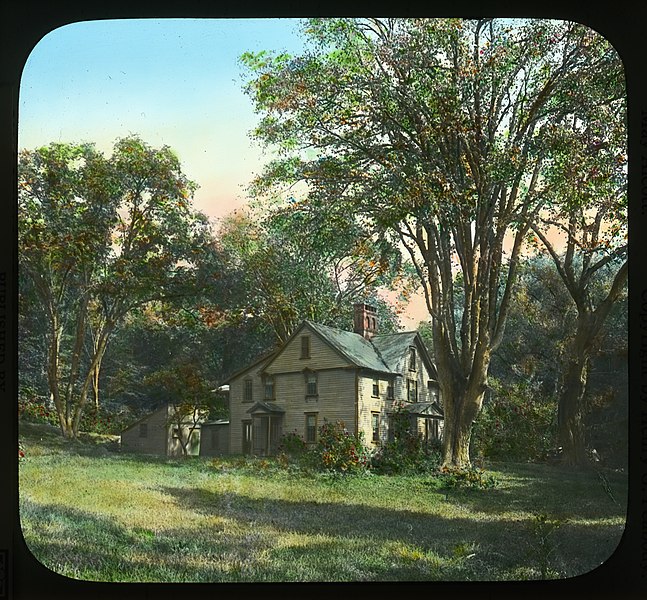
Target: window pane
x=311 y=388
x=311 y=428
x=375 y=418
x=305 y=347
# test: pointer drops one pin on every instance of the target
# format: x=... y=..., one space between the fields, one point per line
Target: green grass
x=91 y=513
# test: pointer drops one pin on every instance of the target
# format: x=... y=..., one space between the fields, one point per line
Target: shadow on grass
x=560 y=492
x=265 y=539
x=508 y=544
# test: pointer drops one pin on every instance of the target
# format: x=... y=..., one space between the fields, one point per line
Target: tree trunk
x=569 y=414
x=462 y=399
x=53 y=356
x=570 y=428
x=95 y=364
x=95 y=387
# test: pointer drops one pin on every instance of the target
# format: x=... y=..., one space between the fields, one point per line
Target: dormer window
x=305 y=346
x=412 y=358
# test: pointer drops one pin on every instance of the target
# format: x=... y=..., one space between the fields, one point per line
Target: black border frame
x=623 y=23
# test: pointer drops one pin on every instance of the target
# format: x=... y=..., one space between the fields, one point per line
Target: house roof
x=354 y=347
x=382 y=353
x=425 y=409
x=266 y=407
x=148 y=415
x=265 y=357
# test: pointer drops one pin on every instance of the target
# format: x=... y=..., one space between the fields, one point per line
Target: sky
x=174 y=82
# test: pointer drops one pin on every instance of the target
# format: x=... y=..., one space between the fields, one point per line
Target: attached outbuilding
x=214 y=438
x=156 y=433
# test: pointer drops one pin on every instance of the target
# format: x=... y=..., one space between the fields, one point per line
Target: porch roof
x=266 y=407
x=424 y=409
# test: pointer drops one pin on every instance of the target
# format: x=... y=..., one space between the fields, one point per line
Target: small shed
x=156 y=434
x=214 y=438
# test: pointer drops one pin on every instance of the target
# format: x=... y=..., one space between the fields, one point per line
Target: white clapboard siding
x=322 y=355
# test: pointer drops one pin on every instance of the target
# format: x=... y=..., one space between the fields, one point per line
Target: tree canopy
x=432 y=134
x=99 y=236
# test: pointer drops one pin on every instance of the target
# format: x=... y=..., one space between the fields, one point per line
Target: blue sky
x=174 y=82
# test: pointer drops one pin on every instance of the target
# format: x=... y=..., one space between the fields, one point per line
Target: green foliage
x=466 y=478
x=439 y=136
x=286 y=268
x=339 y=451
x=103 y=421
x=515 y=424
x=36 y=410
x=406 y=452
x=292 y=444
x=99 y=236
x=542 y=544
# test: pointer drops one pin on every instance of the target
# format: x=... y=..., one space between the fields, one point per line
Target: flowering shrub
x=292 y=444
x=340 y=451
x=35 y=410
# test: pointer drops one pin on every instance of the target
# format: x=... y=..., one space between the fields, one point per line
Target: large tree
x=99 y=236
x=429 y=132
x=583 y=227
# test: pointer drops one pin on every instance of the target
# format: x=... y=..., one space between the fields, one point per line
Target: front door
x=266 y=434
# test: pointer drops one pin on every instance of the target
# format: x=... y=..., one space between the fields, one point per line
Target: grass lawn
x=90 y=513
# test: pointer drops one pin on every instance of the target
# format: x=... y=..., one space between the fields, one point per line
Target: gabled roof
x=262 y=406
x=361 y=352
x=164 y=406
x=382 y=353
x=266 y=357
x=424 y=409
x=393 y=346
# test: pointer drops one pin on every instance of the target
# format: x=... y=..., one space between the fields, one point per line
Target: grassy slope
x=93 y=514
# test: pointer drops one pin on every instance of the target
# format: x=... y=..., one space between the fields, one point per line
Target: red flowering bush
x=340 y=451
x=35 y=410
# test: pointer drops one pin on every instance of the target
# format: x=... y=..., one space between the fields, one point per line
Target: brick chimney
x=365 y=320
